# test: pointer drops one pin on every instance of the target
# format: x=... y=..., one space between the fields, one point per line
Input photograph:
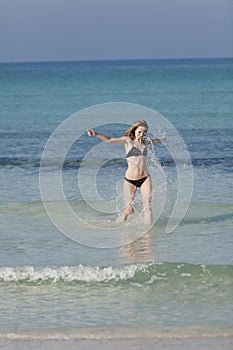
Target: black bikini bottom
x=137 y=183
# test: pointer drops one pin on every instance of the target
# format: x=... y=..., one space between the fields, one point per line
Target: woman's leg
x=146 y=192
x=129 y=193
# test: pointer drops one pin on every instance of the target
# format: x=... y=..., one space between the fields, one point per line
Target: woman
x=137 y=175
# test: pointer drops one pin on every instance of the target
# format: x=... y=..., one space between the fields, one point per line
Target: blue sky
x=44 y=30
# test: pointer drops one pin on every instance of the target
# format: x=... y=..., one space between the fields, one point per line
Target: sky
x=60 y=30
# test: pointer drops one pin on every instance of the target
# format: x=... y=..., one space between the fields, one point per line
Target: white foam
x=67 y=273
x=119 y=333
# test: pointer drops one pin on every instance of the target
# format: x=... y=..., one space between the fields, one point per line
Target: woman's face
x=140 y=132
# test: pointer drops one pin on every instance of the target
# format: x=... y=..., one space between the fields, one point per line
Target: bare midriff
x=136 y=168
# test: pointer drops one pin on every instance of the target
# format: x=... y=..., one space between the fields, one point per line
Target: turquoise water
x=52 y=285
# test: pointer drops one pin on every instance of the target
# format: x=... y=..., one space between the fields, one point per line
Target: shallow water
x=50 y=283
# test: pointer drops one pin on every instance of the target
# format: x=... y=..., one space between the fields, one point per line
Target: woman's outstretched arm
x=163 y=138
x=116 y=140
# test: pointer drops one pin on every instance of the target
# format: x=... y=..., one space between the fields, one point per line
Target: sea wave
x=168 y=333
x=54 y=274
x=136 y=273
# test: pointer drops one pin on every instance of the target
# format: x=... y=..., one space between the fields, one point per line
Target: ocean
x=153 y=284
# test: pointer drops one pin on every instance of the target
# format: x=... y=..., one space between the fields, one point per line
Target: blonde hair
x=131 y=131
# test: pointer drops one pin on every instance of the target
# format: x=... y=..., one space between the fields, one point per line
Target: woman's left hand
x=164 y=137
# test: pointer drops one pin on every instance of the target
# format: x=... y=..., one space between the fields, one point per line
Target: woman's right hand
x=91 y=132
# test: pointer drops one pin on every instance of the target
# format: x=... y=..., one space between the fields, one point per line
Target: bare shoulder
x=127 y=140
x=124 y=139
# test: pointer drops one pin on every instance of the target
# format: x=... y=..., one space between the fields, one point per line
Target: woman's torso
x=136 y=156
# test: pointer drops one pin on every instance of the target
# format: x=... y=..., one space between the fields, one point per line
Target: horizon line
x=116 y=60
